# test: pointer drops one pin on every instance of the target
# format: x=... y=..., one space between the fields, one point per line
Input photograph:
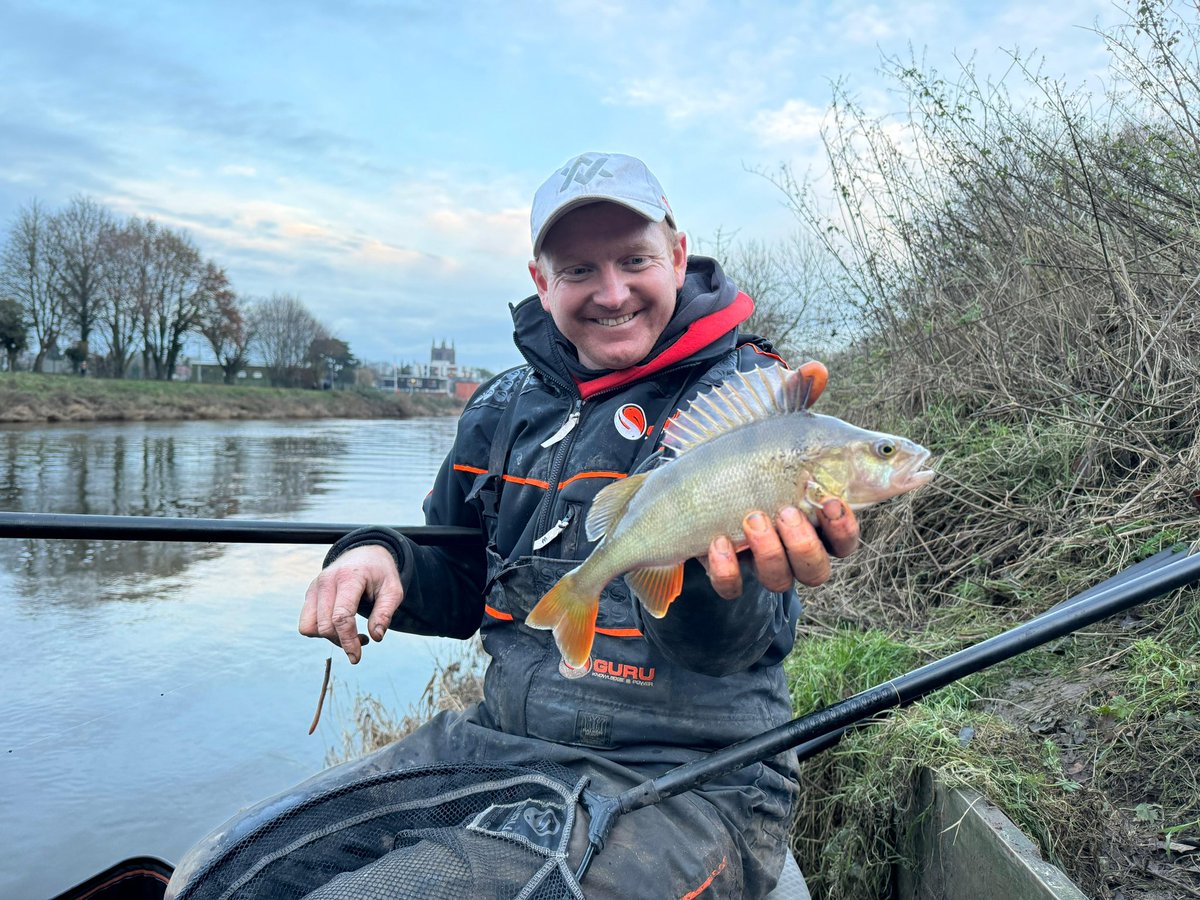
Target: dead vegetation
x=1022 y=277
x=455 y=684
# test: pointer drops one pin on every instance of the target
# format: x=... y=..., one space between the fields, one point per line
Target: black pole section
x=232 y=531
x=914 y=685
x=818 y=730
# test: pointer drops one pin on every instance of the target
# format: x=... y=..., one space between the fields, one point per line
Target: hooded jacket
x=534 y=446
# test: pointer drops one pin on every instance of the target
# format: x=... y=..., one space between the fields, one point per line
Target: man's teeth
x=620 y=321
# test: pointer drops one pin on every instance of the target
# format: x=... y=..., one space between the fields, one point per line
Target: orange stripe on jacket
x=762 y=352
x=692 y=895
x=576 y=477
x=533 y=482
x=619 y=632
x=611 y=632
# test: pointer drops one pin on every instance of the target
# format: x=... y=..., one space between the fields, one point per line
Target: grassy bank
x=30 y=398
x=1021 y=278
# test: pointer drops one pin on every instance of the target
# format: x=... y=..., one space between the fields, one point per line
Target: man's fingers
x=807 y=557
x=337 y=592
x=346 y=626
x=387 y=600
x=308 y=612
x=770 y=559
x=839 y=528
x=723 y=569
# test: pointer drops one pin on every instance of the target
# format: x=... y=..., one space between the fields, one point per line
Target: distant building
x=442 y=375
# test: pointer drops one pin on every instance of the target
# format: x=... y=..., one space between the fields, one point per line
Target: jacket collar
x=708 y=311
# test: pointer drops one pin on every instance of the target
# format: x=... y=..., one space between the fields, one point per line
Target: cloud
x=796 y=122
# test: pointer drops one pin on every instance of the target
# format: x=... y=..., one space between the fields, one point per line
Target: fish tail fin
x=571 y=614
x=657 y=587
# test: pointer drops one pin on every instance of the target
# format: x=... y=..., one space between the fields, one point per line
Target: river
x=150 y=690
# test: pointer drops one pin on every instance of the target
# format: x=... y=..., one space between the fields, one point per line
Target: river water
x=150 y=690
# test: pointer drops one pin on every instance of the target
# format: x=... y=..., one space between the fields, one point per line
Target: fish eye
x=885 y=448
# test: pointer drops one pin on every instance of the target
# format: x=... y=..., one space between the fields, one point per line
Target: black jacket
x=534 y=446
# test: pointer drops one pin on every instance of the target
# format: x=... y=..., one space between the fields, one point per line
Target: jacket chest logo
x=630 y=421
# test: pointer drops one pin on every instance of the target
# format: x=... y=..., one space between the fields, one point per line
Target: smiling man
x=623 y=330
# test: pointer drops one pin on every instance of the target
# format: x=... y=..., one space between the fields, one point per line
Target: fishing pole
x=815 y=732
x=243 y=531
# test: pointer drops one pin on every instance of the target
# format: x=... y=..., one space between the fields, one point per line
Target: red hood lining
x=698 y=335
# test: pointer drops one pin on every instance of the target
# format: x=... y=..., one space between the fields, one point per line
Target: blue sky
x=377 y=159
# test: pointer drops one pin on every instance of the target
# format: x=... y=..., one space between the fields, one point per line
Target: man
x=623 y=329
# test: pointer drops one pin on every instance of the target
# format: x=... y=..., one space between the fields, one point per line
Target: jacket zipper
x=557 y=463
x=562 y=450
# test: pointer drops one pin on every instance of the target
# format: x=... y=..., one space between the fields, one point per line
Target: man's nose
x=613 y=289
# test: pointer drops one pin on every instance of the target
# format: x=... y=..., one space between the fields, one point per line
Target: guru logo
x=630 y=420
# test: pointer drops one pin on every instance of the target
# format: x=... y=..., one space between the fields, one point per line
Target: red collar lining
x=698 y=335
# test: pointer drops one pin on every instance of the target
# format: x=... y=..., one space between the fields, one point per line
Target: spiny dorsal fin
x=746 y=397
x=609 y=505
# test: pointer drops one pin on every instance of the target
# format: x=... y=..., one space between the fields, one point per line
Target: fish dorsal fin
x=746 y=397
x=609 y=505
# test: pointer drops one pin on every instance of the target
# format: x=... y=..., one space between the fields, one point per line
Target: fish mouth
x=912 y=475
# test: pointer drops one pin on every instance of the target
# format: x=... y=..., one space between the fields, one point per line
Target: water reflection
x=149 y=470
x=131 y=728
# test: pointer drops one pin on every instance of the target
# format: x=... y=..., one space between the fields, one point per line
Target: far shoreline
x=32 y=399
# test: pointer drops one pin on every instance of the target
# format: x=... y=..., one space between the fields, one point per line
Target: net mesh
x=448 y=832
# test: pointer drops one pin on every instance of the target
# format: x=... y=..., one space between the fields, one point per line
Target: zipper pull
x=567 y=427
x=555 y=530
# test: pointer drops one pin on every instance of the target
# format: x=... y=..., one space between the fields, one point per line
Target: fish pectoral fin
x=609 y=505
x=571 y=615
x=816 y=495
x=657 y=587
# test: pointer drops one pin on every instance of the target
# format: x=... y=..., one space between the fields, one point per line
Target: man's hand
x=789 y=550
x=331 y=602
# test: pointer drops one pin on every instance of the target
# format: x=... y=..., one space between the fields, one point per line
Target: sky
x=377 y=159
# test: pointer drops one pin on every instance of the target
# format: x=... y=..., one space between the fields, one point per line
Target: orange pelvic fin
x=656 y=588
x=571 y=615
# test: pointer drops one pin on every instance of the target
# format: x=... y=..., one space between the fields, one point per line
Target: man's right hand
x=331 y=602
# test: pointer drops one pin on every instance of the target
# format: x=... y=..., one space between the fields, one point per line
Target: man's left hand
x=785 y=551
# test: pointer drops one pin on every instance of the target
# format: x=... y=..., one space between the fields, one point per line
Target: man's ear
x=679 y=260
x=540 y=282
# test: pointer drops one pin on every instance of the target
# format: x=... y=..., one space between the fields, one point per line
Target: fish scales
x=748 y=445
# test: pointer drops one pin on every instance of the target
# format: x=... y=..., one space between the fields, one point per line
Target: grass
x=28 y=397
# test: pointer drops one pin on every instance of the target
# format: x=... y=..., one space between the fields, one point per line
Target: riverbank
x=32 y=398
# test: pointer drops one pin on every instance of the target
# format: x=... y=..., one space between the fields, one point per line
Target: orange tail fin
x=572 y=615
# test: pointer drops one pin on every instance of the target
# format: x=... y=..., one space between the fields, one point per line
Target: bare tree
x=174 y=300
x=227 y=322
x=123 y=289
x=28 y=274
x=76 y=240
x=285 y=330
x=787 y=281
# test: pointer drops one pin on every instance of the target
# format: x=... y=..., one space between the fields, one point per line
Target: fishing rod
x=817 y=731
x=244 y=531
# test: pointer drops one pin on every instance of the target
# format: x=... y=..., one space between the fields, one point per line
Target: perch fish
x=750 y=443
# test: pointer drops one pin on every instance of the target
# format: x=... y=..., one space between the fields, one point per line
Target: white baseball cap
x=591 y=178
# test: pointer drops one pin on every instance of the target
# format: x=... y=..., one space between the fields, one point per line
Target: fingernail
x=834 y=510
x=724 y=548
x=789 y=515
x=756 y=522
x=378 y=631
